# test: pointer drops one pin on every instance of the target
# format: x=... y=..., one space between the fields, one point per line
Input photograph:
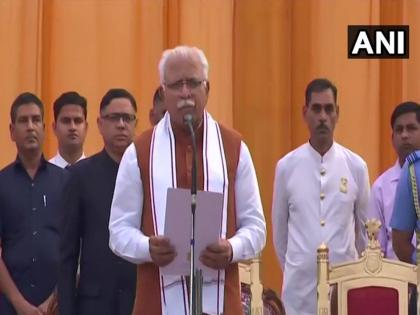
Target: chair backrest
x=370 y=285
x=249 y=273
x=272 y=303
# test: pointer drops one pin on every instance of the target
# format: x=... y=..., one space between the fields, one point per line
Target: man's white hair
x=184 y=51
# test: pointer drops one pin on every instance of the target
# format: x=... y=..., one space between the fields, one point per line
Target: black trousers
x=106 y=305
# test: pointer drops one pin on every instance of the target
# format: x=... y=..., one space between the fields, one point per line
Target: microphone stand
x=196 y=277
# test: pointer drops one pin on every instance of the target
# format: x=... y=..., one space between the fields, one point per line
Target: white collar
x=395 y=171
x=61 y=162
x=327 y=155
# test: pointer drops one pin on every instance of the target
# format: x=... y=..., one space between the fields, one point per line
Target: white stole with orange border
x=174 y=293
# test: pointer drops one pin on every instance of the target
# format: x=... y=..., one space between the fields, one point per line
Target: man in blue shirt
x=30 y=196
x=404 y=219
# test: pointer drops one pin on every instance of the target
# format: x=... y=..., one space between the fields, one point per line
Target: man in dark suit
x=107 y=282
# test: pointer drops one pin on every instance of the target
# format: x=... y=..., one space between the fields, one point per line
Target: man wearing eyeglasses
x=107 y=282
x=161 y=158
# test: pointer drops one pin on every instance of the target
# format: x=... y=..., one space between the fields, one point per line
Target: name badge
x=343 y=185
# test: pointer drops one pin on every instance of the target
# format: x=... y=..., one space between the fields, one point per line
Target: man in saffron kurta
x=162 y=158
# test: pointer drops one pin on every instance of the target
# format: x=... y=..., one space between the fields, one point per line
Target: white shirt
x=317 y=199
x=129 y=242
x=61 y=162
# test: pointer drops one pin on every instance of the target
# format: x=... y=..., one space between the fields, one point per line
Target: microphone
x=196 y=277
x=188 y=119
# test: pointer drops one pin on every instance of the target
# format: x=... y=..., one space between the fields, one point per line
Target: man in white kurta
x=319 y=197
x=160 y=159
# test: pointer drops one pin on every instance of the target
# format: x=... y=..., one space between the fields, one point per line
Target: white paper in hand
x=208 y=221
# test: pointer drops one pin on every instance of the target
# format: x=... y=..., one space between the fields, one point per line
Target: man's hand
x=46 y=304
x=401 y=243
x=161 y=250
x=25 y=308
x=44 y=307
x=217 y=255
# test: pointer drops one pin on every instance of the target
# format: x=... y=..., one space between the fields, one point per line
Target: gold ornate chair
x=371 y=285
x=249 y=274
x=257 y=300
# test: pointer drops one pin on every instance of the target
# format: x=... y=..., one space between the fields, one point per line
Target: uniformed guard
x=406 y=215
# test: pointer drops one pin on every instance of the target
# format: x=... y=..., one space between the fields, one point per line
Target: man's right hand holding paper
x=161 y=250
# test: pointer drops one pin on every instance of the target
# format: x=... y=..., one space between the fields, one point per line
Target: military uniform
x=404 y=216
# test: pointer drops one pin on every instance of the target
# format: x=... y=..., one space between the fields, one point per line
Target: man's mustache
x=322 y=127
x=185 y=103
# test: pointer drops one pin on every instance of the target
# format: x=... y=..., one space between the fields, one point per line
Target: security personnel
x=406 y=214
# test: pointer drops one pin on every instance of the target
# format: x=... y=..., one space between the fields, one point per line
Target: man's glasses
x=191 y=84
x=117 y=117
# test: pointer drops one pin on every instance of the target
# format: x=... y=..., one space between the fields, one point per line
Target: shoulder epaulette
x=413 y=157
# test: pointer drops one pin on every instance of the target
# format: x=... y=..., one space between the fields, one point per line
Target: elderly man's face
x=185 y=89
